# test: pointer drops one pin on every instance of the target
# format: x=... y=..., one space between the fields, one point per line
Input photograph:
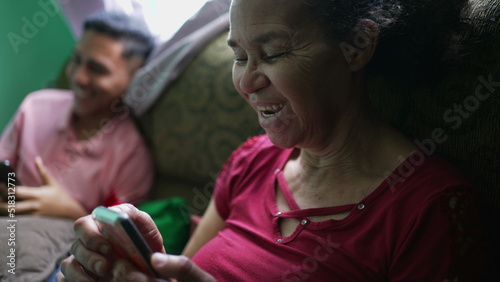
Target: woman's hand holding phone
x=93 y=256
x=125 y=238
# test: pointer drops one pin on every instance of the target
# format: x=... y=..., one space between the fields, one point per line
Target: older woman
x=327 y=193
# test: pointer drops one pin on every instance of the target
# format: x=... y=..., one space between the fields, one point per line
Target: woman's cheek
x=236 y=82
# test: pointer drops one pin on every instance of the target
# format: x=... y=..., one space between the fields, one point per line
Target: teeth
x=269 y=111
x=270 y=108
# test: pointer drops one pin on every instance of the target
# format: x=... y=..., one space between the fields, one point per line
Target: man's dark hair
x=133 y=31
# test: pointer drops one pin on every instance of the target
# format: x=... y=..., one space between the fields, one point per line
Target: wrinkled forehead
x=252 y=12
x=248 y=17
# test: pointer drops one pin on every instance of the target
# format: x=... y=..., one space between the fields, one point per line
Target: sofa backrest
x=458 y=116
x=196 y=124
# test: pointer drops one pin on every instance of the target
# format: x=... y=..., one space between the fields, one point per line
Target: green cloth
x=172 y=219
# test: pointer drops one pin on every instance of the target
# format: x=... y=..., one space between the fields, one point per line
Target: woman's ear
x=360 y=47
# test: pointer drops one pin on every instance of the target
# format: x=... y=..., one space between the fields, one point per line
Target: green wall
x=35 y=42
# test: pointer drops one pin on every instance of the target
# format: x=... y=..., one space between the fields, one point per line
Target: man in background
x=75 y=150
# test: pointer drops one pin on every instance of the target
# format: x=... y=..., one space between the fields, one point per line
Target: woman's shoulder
x=427 y=177
x=255 y=154
x=255 y=148
x=423 y=168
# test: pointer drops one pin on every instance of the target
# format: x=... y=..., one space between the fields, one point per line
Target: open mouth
x=270 y=111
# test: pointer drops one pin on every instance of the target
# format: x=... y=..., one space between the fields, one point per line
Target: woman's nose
x=252 y=80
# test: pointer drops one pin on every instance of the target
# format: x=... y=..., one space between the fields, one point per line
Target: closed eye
x=240 y=61
x=275 y=57
x=266 y=58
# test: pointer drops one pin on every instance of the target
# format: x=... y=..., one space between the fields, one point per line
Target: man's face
x=99 y=74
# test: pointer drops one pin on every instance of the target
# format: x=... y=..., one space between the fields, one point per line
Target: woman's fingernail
x=104 y=250
x=99 y=268
x=117 y=271
x=122 y=272
x=159 y=259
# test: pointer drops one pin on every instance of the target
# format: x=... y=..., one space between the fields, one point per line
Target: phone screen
x=127 y=242
x=7 y=174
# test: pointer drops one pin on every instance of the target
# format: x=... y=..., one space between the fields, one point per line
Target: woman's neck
x=347 y=151
x=359 y=153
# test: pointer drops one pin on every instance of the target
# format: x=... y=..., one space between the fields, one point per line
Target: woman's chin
x=281 y=140
x=275 y=123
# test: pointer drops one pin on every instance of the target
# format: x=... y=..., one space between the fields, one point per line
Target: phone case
x=7 y=174
x=125 y=237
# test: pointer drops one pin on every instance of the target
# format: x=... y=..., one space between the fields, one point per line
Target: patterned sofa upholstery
x=195 y=125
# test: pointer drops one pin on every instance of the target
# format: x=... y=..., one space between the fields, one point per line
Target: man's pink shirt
x=113 y=164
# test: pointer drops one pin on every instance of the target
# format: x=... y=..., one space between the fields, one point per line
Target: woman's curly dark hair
x=417 y=37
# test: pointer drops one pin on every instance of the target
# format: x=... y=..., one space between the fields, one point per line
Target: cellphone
x=7 y=174
x=125 y=238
